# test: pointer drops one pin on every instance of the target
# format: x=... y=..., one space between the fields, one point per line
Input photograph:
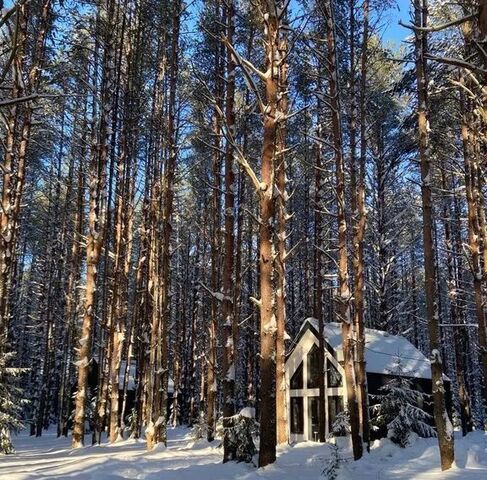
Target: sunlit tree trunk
x=358 y=240
x=470 y=155
x=268 y=323
x=344 y=295
x=94 y=240
x=443 y=425
x=280 y=240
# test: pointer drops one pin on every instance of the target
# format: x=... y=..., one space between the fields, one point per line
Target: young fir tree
x=399 y=409
x=11 y=402
x=240 y=430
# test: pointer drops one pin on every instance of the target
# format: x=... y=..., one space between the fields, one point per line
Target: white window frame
x=298 y=355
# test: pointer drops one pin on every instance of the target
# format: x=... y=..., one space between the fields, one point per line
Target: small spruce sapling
x=133 y=424
x=12 y=402
x=398 y=409
x=341 y=425
x=333 y=463
x=240 y=433
x=339 y=428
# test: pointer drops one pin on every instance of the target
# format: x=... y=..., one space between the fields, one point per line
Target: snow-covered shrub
x=240 y=432
x=399 y=409
x=11 y=402
x=333 y=463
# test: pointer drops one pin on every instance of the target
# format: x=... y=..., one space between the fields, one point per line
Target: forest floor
x=51 y=458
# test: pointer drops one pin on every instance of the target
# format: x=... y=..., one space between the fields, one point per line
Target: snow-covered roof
x=381 y=350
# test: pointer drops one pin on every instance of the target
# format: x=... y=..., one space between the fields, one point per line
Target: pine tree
x=11 y=402
x=399 y=409
x=240 y=430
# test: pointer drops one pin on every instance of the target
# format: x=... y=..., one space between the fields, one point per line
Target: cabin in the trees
x=302 y=373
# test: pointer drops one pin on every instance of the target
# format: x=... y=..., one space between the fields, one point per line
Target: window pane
x=314 y=367
x=334 y=378
x=297 y=415
x=314 y=417
x=297 y=378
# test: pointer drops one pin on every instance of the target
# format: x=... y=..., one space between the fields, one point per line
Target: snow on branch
x=218 y=295
x=442 y=26
x=456 y=62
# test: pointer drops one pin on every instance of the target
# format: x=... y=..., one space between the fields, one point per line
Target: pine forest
x=243 y=239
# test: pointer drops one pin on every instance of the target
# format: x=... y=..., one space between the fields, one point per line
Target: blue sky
x=392 y=30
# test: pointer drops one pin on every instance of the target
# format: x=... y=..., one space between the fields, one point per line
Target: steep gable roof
x=381 y=350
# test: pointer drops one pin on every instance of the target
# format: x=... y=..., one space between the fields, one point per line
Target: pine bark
x=122 y=254
x=268 y=324
x=71 y=298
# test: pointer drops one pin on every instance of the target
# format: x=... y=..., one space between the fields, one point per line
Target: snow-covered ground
x=51 y=458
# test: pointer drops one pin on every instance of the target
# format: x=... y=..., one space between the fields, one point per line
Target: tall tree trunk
x=211 y=383
x=228 y=312
x=443 y=425
x=168 y=207
x=123 y=229
x=268 y=323
x=94 y=241
x=149 y=392
x=358 y=241
x=470 y=155
x=153 y=368
x=343 y=299
x=318 y=276
x=280 y=248
x=456 y=316
x=70 y=309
